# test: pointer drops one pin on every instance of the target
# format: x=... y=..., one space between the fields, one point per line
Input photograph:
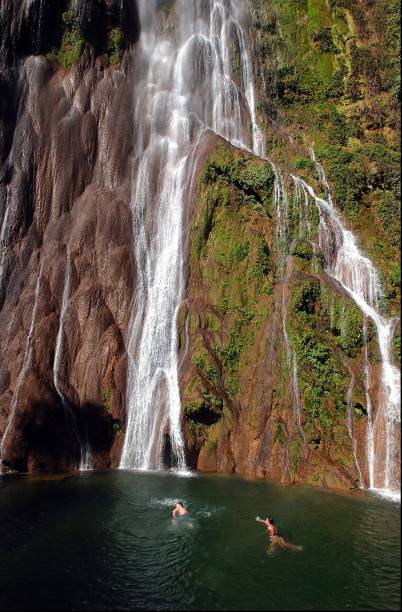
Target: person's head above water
x=179 y=504
x=270 y=520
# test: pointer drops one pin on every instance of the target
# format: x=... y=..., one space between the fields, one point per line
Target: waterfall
x=296 y=398
x=71 y=421
x=4 y=236
x=186 y=85
x=358 y=276
x=281 y=204
x=24 y=369
x=367 y=381
x=201 y=78
x=349 y=416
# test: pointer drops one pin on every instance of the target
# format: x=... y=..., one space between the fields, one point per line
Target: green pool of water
x=107 y=541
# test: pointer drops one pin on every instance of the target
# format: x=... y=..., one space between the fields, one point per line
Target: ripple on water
x=201 y=512
x=117 y=530
x=386 y=494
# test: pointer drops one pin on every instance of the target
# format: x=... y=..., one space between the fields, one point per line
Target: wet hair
x=271 y=520
x=180 y=504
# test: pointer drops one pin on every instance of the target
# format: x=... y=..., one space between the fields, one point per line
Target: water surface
x=106 y=540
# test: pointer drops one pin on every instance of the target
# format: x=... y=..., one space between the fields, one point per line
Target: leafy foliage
x=106 y=397
x=115 y=40
x=72 y=43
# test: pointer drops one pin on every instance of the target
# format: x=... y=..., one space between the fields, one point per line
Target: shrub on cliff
x=115 y=45
x=72 y=43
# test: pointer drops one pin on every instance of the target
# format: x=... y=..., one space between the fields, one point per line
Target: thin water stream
x=358 y=277
x=186 y=84
x=86 y=460
x=26 y=363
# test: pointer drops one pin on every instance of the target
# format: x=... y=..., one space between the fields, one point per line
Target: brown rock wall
x=68 y=190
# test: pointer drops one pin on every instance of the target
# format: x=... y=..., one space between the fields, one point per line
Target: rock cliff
x=271 y=349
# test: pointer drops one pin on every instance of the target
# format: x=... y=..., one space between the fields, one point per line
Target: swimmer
x=179 y=510
x=275 y=540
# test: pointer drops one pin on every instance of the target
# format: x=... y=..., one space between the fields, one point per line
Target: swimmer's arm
x=174 y=513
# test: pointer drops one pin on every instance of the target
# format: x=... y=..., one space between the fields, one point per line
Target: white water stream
x=358 y=276
x=24 y=369
x=86 y=461
x=186 y=85
x=203 y=79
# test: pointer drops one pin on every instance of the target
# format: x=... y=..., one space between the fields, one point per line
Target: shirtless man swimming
x=275 y=540
x=179 y=510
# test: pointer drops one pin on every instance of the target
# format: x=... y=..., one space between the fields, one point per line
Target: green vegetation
x=351 y=338
x=115 y=46
x=389 y=213
x=323 y=381
x=348 y=175
x=72 y=43
x=326 y=330
x=303 y=250
x=335 y=64
x=280 y=433
x=253 y=179
x=303 y=163
x=202 y=362
x=117 y=429
x=305 y=296
x=106 y=397
x=231 y=257
x=262 y=266
x=295 y=448
x=397 y=348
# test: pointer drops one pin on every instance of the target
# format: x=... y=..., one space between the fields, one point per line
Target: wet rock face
x=66 y=272
x=36 y=26
x=245 y=314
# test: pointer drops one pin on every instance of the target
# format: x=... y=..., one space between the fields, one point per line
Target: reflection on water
x=102 y=541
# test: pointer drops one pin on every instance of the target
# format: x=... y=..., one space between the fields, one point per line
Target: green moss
x=323 y=39
x=396 y=342
x=389 y=213
x=262 y=265
x=199 y=359
x=72 y=43
x=252 y=177
x=295 y=453
x=305 y=297
x=115 y=45
x=323 y=381
x=117 y=429
x=232 y=256
x=202 y=361
x=240 y=252
x=302 y=249
x=106 y=396
x=280 y=435
x=213 y=322
x=351 y=338
x=348 y=175
x=303 y=163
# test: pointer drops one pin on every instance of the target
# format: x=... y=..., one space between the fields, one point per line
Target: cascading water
x=86 y=462
x=349 y=416
x=358 y=276
x=282 y=208
x=24 y=369
x=3 y=236
x=187 y=85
